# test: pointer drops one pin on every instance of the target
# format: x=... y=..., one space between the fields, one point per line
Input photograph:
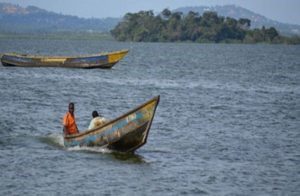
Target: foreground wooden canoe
x=102 y=60
x=125 y=133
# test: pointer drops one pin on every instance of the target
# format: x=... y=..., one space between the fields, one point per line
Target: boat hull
x=104 y=60
x=125 y=133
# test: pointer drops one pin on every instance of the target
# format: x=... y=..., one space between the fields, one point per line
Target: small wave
x=157 y=150
x=55 y=139
x=219 y=107
x=162 y=83
x=101 y=149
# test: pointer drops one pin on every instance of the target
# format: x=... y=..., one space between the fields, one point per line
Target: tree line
x=169 y=26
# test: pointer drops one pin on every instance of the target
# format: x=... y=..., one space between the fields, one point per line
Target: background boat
x=101 y=60
x=125 y=133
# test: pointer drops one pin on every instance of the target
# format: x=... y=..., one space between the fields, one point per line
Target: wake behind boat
x=101 y=60
x=125 y=133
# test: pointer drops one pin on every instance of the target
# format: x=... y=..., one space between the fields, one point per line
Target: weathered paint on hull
x=105 y=60
x=125 y=133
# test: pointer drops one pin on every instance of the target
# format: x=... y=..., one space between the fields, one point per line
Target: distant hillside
x=257 y=20
x=17 y=19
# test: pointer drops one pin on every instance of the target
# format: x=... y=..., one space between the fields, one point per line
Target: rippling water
x=227 y=122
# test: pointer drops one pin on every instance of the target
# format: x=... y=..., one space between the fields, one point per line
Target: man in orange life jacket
x=69 y=122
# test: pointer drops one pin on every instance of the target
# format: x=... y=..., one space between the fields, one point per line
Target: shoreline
x=106 y=36
x=58 y=36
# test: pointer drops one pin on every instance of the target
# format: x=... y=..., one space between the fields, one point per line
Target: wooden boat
x=125 y=133
x=102 y=60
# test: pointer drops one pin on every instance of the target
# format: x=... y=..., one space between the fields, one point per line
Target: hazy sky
x=287 y=11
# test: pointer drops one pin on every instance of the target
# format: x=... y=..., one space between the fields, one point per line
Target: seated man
x=97 y=120
x=69 y=122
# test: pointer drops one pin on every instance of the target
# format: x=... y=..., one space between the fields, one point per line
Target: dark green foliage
x=144 y=26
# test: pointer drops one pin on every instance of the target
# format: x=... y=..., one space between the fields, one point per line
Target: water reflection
x=128 y=157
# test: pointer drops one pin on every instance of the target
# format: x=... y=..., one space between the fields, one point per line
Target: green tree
x=271 y=34
x=244 y=23
x=168 y=26
x=166 y=13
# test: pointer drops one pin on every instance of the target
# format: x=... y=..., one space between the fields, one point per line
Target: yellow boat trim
x=53 y=60
x=115 y=57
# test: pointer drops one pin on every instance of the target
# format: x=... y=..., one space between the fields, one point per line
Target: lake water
x=227 y=123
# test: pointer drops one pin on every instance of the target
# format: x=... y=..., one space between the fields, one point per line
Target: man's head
x=71 y=108
x=95 y=114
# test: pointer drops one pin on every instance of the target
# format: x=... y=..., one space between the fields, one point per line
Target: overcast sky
x=287 y=11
